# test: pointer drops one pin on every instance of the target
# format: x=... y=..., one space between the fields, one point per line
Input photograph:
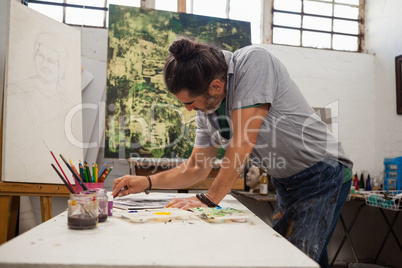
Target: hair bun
x=183 y=49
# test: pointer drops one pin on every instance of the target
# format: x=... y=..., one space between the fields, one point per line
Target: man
x=247 y=103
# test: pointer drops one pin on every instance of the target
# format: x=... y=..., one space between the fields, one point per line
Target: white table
x=178 y=243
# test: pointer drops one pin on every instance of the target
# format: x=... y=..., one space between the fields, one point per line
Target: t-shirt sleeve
x=202 y=135
x=255 y=79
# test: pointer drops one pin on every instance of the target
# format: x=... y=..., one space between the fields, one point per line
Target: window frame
x=266 y=26
x=181 y=7
x=359 y=20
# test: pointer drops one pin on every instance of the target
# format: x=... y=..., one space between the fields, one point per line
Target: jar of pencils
x=82 y=211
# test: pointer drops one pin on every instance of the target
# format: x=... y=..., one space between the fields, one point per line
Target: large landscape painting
x=142 y=118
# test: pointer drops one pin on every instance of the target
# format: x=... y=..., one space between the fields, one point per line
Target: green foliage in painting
x=142 y=117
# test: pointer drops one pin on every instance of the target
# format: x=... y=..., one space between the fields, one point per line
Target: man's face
x=206 y=103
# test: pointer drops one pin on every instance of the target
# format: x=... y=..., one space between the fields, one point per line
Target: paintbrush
x=57 y=163
x=74 y=174
x=72 y=191
x=65 y=182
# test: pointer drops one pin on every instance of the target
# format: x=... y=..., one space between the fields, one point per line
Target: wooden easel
x=10 y=193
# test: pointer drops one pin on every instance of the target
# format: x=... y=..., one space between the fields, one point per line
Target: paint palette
x=220 y=215
x=165 y=214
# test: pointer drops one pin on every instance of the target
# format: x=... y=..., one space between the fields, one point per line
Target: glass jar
x=103 y=204
x=110 y=204
x=101 y=196
x=82 y=211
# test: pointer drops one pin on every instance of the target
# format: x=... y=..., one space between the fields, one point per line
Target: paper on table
x=140 y=216
x=132 y=204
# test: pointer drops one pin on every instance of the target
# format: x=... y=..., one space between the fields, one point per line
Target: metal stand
x=347 y=234
x=348 y=229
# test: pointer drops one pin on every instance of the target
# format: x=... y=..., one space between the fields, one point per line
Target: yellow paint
x=162 y=213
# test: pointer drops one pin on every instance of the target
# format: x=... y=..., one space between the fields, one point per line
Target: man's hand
x=185 y=203
x=129 y=184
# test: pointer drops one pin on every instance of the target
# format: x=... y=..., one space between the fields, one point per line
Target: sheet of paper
x=142 y=201
x=163 y=214
x=131 y=204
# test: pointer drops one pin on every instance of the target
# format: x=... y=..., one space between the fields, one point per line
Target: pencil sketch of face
x=49 y=59
x=47 y=64
x=41 y=94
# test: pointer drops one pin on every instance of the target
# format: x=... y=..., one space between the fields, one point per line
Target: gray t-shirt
x=292 y=137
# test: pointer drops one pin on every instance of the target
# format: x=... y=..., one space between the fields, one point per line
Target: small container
x=110 y=204
x=82 y=211
x=101 y=196
x=103 y=204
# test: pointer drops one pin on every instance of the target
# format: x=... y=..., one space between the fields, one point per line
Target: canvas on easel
x=42 y=96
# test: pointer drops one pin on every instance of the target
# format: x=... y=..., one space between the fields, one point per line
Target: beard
x=213 y=103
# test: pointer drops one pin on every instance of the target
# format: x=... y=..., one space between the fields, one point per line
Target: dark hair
x=193 y=66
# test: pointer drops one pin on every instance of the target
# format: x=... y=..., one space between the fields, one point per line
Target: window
x=325 y=24
x=94 y=12
x=242 y=10
x=79 y=12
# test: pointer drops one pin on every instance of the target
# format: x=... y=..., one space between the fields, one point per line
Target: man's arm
x=195 y=169
x=246 y=124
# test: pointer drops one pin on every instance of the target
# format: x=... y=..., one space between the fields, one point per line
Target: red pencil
x=105 y=174
x=58 y=163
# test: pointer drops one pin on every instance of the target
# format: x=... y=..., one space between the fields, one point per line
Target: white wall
x=343 y=81
x=94 y=43
x=384 y=40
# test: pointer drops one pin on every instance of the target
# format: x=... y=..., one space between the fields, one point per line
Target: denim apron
x=306 y=204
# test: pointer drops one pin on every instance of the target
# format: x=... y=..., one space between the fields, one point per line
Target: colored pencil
x=85 y=174
x=65 y=176
x=96 y=173
x=102 y=170
x=103 y=177
x=75 y=170
x=93 y=173
x=105 y=174
x=64 y=180
x=74 y=174
x=82 y=172
x=110 y=170
x=89 y=176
